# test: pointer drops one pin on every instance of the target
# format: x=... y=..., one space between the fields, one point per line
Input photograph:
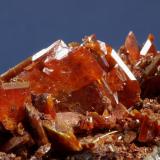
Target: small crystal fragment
x=148 y=46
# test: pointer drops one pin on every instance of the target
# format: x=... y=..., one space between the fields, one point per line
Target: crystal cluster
x=86 y=100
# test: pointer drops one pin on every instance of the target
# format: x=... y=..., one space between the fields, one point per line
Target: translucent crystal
x=132 y=48
x=12 y=103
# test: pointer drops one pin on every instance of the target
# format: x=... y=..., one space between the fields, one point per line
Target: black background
x=26 y=26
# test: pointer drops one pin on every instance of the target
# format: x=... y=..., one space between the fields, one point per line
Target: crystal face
x=76 y=70
x=12 y=99
x=132 y=48
x=82 y=100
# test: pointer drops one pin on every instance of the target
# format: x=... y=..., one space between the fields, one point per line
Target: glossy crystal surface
x=84 y=96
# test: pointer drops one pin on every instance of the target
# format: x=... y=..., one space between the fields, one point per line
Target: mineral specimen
x=82 y=101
